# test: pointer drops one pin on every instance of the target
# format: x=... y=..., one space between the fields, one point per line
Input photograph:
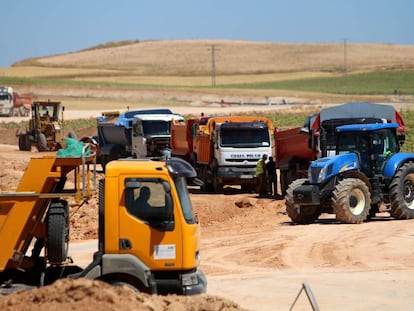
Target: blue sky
x=32 y=28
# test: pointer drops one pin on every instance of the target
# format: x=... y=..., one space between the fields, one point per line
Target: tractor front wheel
x=351 y=201
x=297 y=213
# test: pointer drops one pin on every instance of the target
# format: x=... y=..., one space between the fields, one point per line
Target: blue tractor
x=368 y=171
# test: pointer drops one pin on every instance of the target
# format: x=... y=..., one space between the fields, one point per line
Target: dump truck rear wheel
x=217 y=185
x=300 y=214
x=402 y=192
x=57 y=231
x=351 y=201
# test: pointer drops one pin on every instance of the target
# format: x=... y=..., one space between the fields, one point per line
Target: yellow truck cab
x=148 y=242
x=157 y=243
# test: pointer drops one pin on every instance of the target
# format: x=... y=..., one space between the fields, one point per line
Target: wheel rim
x=409 y=191
x=356 y=201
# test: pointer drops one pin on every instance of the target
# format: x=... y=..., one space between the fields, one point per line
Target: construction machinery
x=6 y=101
x=297 y=147
x=133 y=133
x=154 y=250
x=151 y=133
x=223 y=150
x=13 y=103
x=45 y=129
x=368 y=171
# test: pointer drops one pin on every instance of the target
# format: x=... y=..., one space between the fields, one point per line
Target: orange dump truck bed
x=292 y=143
x=181 y=141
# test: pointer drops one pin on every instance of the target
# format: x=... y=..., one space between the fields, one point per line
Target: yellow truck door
x=148 y=226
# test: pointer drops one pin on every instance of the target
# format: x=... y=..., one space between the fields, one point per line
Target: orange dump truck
x=154 y=249
x=22 y=104
x=223 y=150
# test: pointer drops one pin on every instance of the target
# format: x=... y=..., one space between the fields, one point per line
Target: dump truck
x=45 y=129
x=295 y=148
x=183 y=136
x=6 y=101
x=368 y=171
x=151 y=134
x=223 y=150
x=151 y=249
x=13 y=103
x=22 y=104
x=133 y=133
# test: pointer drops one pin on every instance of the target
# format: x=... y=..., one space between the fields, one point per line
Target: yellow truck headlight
x=189 y=279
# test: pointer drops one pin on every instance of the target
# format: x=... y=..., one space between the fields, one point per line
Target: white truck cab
x=6 y=101
x=151 y=134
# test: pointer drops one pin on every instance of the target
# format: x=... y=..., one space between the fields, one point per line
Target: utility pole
x=345 y=60
x=213 y=65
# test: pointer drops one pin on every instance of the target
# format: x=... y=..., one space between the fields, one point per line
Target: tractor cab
x=373 y=144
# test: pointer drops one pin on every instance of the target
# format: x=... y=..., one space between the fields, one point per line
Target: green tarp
x=73 y=149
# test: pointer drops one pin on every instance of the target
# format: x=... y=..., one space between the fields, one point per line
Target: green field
x=370 y=83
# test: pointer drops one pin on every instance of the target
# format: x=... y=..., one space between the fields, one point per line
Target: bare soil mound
x=83 y=294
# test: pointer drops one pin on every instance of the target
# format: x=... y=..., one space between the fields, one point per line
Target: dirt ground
x=252 y=255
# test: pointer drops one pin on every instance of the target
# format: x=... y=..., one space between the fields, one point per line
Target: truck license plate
x=246 y=176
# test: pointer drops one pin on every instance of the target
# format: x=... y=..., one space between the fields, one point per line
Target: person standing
x=271 y=177
x=261 y=175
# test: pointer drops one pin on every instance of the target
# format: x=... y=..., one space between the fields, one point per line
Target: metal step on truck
x=152 y=246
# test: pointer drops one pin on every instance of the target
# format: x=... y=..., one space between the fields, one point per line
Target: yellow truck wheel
x=57 y=232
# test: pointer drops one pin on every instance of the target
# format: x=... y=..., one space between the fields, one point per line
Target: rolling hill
x=128 y=70
x=194 y=57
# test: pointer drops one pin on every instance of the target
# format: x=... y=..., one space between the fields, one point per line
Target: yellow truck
x=154 y=249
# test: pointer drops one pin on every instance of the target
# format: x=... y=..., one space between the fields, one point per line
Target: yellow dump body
x=22 y=212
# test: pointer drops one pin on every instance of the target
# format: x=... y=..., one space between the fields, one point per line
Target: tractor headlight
x=322 y=174
x=317 y=174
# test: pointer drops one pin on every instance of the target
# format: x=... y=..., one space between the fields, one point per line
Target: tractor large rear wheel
x=297 y=213
x=351 y=201
x=402 y=192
